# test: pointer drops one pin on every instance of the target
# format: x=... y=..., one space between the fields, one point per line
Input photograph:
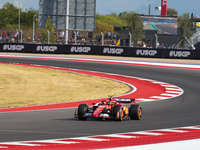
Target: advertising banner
x=12 y=47
x=179 y=53
x=100 y=50
x=144 y=52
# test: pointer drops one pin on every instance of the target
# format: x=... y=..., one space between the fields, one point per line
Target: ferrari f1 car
x=110 y=109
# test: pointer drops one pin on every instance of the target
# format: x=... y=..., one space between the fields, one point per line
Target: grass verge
x=24 y=86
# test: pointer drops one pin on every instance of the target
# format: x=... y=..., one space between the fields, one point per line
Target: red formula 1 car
x=110 y=109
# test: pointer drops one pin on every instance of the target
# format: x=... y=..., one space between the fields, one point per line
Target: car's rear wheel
x=82 y=110
x=135 y=112
x=118 y=111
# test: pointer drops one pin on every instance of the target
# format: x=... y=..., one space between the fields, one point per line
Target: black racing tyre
x=135 y=112
x=116 y=109
x=82 y=110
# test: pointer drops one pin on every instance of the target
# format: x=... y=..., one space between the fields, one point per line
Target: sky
x=117 y=6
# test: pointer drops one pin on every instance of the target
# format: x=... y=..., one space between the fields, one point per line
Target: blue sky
x=117 y=6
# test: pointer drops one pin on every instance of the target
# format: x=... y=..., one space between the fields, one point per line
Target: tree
x=112 y=19
x=184 y=26
x=49 y=27
x=103 y=27
x=9 y=15
x=172 y=12
x=27 y=17
x=135 y=25
x=122 y=15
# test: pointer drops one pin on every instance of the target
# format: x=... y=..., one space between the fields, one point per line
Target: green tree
x=112 y=19
x=184 y=26
x=8 y=15
x=123 y=15
x=172 y=12
x=136 y=26
x=103 y=27
x=49 y=27
x=27 y=17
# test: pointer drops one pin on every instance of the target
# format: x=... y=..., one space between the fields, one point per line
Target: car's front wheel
x=82 y=110
x=118 y=112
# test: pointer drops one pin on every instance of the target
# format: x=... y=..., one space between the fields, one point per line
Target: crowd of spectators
x=82 y=38
x=90 y=38
x=10 y=36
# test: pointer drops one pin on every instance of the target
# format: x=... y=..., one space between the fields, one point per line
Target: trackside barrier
x=100 y=50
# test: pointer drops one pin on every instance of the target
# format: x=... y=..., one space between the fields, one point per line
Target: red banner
x=163 y=7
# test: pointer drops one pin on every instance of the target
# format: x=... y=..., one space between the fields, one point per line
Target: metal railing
x=195 y=38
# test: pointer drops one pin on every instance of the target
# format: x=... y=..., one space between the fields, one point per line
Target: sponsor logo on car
x=47 y=48
x=88 y=114
x=80 y=49
x=113 y=51
x=143 y=52
x=104 y=115
x=179 y=53
x=13 y=47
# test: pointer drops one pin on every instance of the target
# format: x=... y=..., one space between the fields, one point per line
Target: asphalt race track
x=167 y=28
x=53 y=124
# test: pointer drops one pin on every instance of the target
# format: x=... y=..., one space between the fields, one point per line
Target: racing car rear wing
x=122 y=100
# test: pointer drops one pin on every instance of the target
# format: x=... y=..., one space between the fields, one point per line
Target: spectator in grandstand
x=1 y=37
x=162 y=45
x=4 y=34
x=78 y=35
x=15 y=36
x=12 y=40
x=7 y=39
x=114 y=36
x=109 y=34
x=83 y=40
x=144 y=44
x=8 y=34
x=61 y=34
x=29 y=38
x=105 y=36
x=16 y=32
